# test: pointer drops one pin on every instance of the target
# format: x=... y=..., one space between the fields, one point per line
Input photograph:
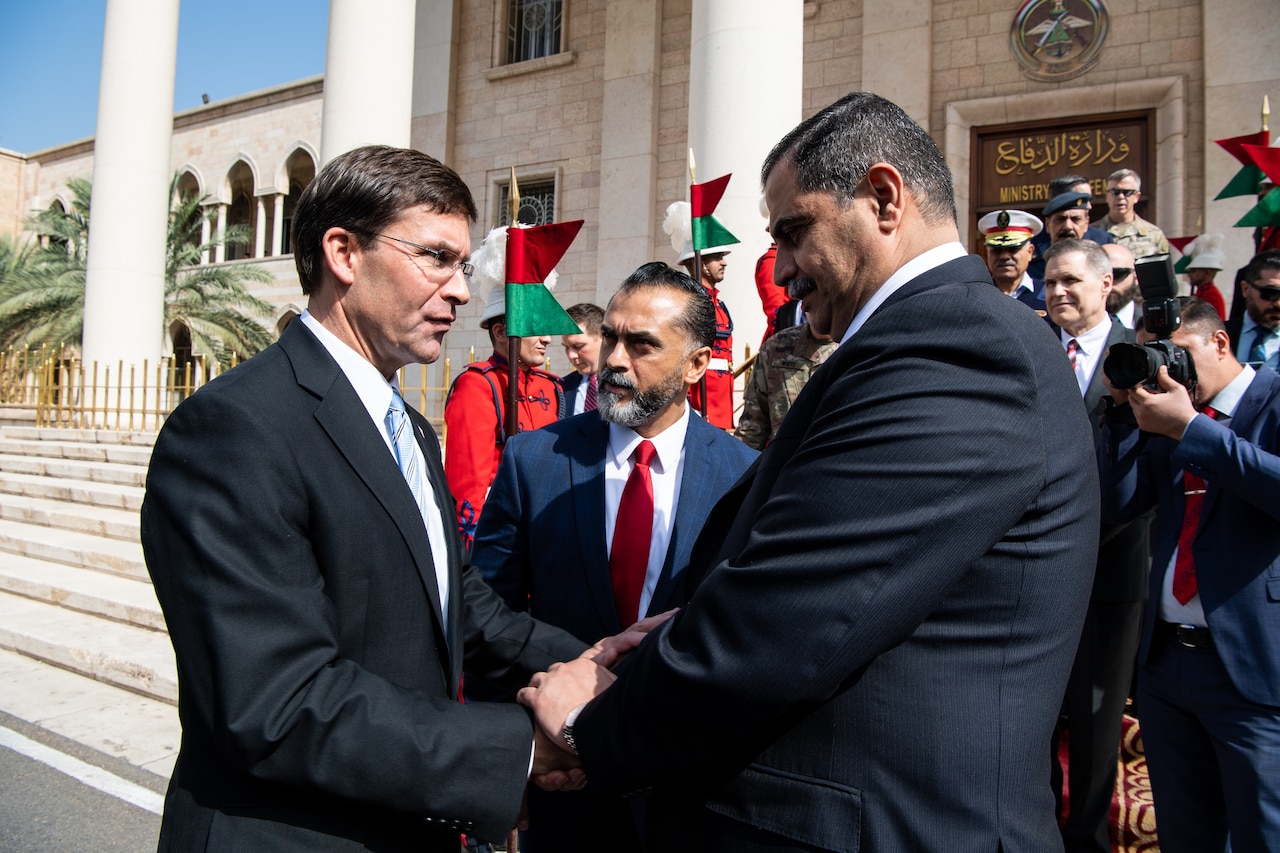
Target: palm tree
x=42 y=296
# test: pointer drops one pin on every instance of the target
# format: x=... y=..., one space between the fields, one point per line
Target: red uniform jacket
x=719 y=379
x=772 y=297
x=474 y=435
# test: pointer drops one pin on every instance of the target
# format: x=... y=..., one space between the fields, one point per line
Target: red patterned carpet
x=1133 y=818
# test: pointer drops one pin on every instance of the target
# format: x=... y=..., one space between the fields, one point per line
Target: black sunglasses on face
x=1268 y=294
x=1119 y=274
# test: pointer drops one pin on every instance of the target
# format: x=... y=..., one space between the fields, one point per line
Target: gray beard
x=643 y=405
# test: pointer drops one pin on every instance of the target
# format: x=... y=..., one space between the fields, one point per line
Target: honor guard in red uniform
x=719 y=375
x=718 y=379
x=475 y=412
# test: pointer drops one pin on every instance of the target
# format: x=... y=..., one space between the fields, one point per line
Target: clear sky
x=51 y=55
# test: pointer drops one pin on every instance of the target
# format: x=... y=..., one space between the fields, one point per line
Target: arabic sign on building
x=1058 y=39
x=1014 y=163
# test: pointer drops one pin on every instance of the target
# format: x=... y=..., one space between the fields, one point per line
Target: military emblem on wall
x=1058 y=39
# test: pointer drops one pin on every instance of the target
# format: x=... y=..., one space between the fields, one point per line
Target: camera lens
x=1129 y=365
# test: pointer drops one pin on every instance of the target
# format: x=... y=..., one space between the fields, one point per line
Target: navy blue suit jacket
x=885 y=608
x=1237 y=546
x=570 y=382
x=540 y=542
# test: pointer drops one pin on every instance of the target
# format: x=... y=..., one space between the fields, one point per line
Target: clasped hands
x=552 y=695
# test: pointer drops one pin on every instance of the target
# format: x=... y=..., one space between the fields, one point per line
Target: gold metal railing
x=66 y=392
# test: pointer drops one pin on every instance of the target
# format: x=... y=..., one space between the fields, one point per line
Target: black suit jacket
x=875 y=656
x=317 y=680
x=1124 y=550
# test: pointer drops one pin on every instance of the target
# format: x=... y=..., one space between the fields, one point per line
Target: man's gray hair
x=1095 y=257
x=1120 y=174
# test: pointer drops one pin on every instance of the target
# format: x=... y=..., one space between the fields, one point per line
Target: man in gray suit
x=886 y=605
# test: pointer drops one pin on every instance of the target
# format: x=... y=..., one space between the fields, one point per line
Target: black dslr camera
x=1131 y=365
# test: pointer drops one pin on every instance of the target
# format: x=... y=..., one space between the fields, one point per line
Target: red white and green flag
x=532 y=253
x=1245 y=182
x=707 y=230
x=1266 y=160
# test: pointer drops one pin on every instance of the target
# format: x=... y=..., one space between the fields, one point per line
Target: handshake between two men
x=553 y=696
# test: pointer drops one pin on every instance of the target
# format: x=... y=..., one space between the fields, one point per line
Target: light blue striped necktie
x=402 y=440
x=1258 y=352
x=401 y=432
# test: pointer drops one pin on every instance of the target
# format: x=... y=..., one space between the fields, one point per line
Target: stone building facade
x=596 y=103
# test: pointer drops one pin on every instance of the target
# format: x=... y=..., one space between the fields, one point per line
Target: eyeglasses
x=1119 y=274
x=441 y=259
x=1268 y=294
x=1123 y=193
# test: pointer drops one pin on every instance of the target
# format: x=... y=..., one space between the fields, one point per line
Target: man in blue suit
x=549 y=539
x=1209 y=677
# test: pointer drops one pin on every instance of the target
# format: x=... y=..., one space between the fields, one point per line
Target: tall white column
x=260 y=230
x=124 y=281
x=220 y=250
x=368 y=76
x=277 y=227
x=746 y=60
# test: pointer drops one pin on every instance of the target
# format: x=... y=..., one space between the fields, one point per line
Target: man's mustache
x=612 y=377
x=799 y=288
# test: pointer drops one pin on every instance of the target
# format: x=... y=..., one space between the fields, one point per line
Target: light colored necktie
x=1258 y=352
x=401 y=432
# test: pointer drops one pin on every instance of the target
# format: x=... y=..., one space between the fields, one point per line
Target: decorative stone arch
x=296 y=171
x=290 y=313
x=239 y=193
x=223 y=194
x=284 y=170
x=196 y=177
x=1166 y=95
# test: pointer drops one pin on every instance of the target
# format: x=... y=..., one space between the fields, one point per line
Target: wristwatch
x=566 y=734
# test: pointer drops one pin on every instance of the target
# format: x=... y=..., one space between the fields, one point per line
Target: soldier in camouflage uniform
x=781 y=370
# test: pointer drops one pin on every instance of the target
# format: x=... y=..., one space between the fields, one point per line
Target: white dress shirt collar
x=371 y=386
x=920 y=264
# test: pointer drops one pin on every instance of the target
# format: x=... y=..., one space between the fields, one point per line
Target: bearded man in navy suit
x=885 y=607
x=547 y=534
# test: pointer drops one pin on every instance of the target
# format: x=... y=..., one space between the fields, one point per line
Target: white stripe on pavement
x=94 y=777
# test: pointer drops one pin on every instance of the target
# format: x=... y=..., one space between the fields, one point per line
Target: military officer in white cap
x=1007 y=235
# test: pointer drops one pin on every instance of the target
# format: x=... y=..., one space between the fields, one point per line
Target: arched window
x=241 y=210
x=301 y=170
x=189 y=188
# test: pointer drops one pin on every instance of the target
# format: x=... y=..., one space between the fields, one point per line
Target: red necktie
x=1072 y=349
x=1184 y=568
x=590 y=404
x=629 y=559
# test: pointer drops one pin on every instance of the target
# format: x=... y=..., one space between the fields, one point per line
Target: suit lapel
x=345 y=420
x=586 y=475
x=1097 y=388
x=684 y=528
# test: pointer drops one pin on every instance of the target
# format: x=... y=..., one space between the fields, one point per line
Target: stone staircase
x=74 y=590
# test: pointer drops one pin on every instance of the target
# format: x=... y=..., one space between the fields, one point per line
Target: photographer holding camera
x=1204 y=455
